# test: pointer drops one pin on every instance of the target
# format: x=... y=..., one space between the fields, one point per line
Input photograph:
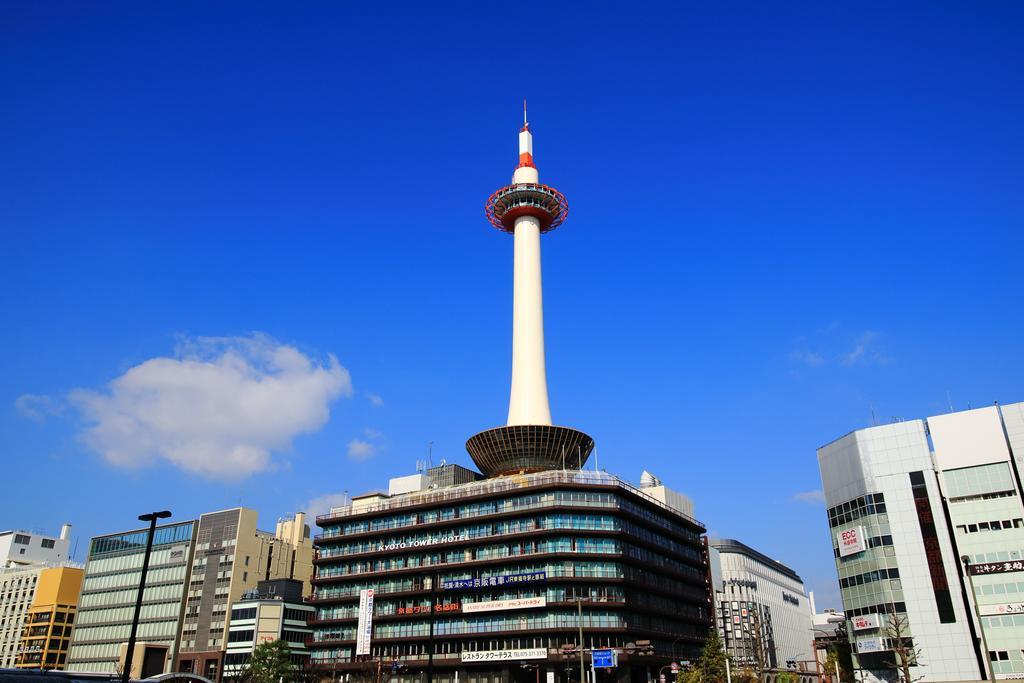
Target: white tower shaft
x=528 y=403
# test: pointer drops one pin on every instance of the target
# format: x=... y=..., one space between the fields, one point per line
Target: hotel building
x=510 y=568
x=927 y=523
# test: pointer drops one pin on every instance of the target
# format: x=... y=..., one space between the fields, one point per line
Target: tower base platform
x=529 y=448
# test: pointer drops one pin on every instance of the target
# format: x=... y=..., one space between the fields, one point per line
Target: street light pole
x=430 y=638
x=579 y=613
x=130 y=653
x=977 y=613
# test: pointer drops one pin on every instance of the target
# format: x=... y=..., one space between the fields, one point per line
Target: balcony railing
x=498 y=485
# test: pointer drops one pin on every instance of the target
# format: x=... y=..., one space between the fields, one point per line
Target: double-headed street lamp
x=151 y=518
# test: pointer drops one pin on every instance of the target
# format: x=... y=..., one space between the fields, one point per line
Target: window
x=21 y=539
x=48 y=543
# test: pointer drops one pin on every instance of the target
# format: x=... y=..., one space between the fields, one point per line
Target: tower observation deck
x=529 y=442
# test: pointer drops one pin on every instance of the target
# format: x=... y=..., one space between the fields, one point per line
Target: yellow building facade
x=47 y=630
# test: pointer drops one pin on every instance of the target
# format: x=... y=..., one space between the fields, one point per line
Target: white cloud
x=360 y=450
x=375 y=400
x=816 y=497
x=808 y=358
x=865 y=351
x=861 y=350
x=323 y=504
x=218 y=409
x=36 y=407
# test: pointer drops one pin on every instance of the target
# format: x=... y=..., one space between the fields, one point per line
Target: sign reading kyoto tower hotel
x=529 y=442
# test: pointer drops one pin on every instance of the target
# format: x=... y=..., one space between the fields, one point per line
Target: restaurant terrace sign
x=504 y=655
x=419 y=543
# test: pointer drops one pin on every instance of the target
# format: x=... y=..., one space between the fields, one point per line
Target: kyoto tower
x=529 y=442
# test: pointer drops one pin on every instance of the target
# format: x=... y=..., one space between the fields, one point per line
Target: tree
x=906 y=653
x=746 y=675
x=786 y=677
x=758 y=644
x=711 y=665
x=269 y=663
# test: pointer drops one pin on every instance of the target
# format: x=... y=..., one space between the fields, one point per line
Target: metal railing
x=499 y=485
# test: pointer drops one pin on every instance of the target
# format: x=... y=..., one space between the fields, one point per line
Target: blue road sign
x=604 y=659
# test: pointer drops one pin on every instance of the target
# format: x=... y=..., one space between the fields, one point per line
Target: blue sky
x=254 y=233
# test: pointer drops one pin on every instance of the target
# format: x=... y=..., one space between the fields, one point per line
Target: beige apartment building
x=231 y=556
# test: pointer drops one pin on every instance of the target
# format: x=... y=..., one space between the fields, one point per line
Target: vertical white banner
x=364 y=630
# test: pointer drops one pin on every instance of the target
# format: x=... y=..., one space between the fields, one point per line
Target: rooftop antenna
x=525 y=124
x=949 y=401
x=874 y=420
x=430 y=453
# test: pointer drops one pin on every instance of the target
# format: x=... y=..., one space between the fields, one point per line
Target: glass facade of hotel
x=504 y=562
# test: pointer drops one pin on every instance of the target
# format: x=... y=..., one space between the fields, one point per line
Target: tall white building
x=24 y=548
x=759 y=600
x=906 y=502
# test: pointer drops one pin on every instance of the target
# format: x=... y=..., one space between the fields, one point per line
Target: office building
x=112 y=573
x=50 y=619
x=231 y=557
x=760 y=607
x=273 y=611
x=906 y=501
x=25 y=548
x=196 y=569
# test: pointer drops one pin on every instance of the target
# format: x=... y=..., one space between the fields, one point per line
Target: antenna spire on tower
x=526 y=124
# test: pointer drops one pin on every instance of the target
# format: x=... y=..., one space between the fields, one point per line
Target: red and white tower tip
x=529 y=442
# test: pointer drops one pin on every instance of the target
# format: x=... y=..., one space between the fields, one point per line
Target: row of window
x=994 y=525
x=1000 y=588
x=168 y=592
x=983 y=496
x=523 y=622
x=509 y=550
x=868 y=577
x=123 y=579
x=851 y=510
x=515 y=526
x=135 y=541
x=120 y=563
x=513 y=504
x=567 y=569
x=451 y=649
x=150 y=629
